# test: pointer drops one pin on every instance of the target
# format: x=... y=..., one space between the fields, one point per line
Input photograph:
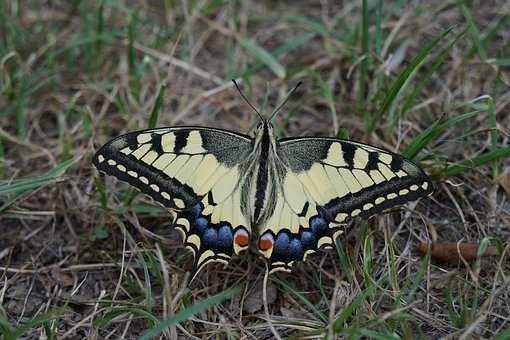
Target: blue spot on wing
x=295 y=250
x=308 y=240
x=225 y=239
x=196 y=210
x=210 y=239
x=281 y=245
x=201 y=224
x=319 y=226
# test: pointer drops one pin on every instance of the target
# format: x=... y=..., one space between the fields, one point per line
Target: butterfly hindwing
x=194 y=172
x=326 y=182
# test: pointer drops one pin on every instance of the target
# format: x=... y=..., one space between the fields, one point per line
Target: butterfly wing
x=325 y=183
x=196 y=173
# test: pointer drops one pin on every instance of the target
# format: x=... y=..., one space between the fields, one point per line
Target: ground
x=83 y=255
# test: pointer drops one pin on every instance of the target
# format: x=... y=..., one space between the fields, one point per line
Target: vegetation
x=82 y=255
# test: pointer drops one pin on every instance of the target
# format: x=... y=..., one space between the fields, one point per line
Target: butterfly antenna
x=275 y=112
x=246 y=99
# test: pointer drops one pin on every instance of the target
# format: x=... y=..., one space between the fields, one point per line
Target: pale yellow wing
x=193 y=171
x=327 y=182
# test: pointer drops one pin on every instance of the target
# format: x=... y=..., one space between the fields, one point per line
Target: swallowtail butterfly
x=295 y=195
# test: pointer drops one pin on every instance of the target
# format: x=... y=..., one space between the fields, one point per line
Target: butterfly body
x=295 y=194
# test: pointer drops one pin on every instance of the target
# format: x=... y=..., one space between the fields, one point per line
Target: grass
x=85 y=256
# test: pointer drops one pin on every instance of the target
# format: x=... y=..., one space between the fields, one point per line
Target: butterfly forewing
x=326 y=183
x=193 y=171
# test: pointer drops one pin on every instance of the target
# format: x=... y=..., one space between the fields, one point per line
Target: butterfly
x=294 y=195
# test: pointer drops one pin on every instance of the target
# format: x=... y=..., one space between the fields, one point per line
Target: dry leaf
x=449 y=251
x=504 y=181
x=254 y=301
x=64 y=279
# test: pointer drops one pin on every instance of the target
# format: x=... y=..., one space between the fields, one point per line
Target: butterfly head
x=264 y=130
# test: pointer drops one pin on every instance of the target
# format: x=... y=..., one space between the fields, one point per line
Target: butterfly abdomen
x=262 y=175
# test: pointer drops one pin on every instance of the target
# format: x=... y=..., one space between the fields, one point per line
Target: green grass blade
x=6 y=329
x=38 y=320
x=452 y=312
x=108 y=317
x=263 y=56
x=473 y=30
x=189 y=311
x=338 y=324
x=156 y=111
x=493 y=124
x=363 y=67
x=342 y=133
x=403 y=79
x=476 y=161
x=326 y=92
x=281 y=50
x=100 y=26
x=22 y=185
x=499 y=61
x=432 y=132
x=503 y=335
x=302 y=298
x=309 y=23
x=418 y=279
x=153 y=122
x=436 y=63
x=346 y=266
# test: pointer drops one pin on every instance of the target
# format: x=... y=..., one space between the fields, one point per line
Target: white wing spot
x=143 y=138
x=184 y=222
x=349 y=179
x=335 y=155
x=155 y=187
x=385 y=158
x=425 y=185
x=150 y=157
x=377 y=176
x=144 y=180
x=379 y=200
x=401 y=173
x=165 y=195
x=121 y=167
x=403 y=192
x=340 y=217
x=195 y=239
x=194 y=143
x=132 y=174
x=323 y=240
x=368 y=206
x=363 y=178
x=141 y=151
x=360 y=158
x=126 y=150
x=179 y=203
x=168 y=142
x=111 y=162
x=100 y=158
x=391 y=196
x=163 y=161
x=337 y=233
x=355 y=212
x=414 y=187
x=386 y=171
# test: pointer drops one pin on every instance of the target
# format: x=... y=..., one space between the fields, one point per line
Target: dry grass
x=83 y=259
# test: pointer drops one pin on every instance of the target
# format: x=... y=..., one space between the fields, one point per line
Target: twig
x=266 y=308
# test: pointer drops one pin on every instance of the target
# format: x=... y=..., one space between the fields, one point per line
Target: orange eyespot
x=266 y=242
x=241 y=238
